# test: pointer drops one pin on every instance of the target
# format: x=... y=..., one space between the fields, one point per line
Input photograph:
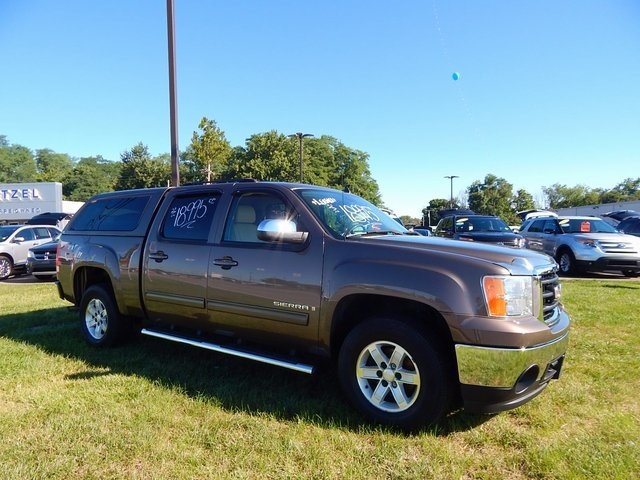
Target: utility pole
x=451 y=177
x=300 y=136
x=173 y=102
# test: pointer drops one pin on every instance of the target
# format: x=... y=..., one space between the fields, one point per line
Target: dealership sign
x=21 y=201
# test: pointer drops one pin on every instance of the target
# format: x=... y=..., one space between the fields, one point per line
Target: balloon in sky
x=455 y=75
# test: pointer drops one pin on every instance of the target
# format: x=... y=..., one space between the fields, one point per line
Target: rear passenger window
x=42 y=232
x=189 y=217
x=120 y=214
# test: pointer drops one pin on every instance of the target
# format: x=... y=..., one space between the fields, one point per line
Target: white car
x=583 y=244
x=15 y=242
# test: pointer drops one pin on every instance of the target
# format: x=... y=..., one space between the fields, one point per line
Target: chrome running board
x=299 y=367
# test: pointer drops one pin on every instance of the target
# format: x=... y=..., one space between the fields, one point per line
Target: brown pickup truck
x=293 y=275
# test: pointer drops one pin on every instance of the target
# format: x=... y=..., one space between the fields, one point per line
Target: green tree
x=17 y=164
x=139 y=170
x=562 y=196
x=267 y=156
x=493 y=196
x=523 y=200
x=627 y=190
x=90 y=176
x=51 y=166
x=208 y=155
x=430 y=213
x=342 y=167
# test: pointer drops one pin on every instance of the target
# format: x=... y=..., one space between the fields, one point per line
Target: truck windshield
x=346 y=215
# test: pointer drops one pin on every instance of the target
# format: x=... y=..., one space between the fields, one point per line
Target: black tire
x=6 y=267
x=631 y=273
x=566 y=262
x=392 y=373
x=100 y=322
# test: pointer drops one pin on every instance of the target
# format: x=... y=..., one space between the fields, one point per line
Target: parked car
x=478 y=228
x=534 y=212
x=620 y=215
x=41 y=260
x=630 y=226
x=583 y=244
x=424 y=231
x=15 y=242
x=57 y=219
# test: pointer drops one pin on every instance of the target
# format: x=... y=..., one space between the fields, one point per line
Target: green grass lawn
x=156 y=410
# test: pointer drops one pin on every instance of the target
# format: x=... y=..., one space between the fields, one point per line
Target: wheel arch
x=357 y=308
x=86 y=277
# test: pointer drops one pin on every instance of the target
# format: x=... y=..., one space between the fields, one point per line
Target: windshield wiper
x=374 y=232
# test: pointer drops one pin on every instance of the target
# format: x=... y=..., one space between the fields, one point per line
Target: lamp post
x=451 y=177
x=300 y=136
x=173 y=101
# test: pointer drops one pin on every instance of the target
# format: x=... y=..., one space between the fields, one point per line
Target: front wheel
x=100 y=321
x=6 y=267
x=567 y=263
x=390 y=372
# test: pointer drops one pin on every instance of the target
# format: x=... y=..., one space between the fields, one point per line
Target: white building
x=21 y=201
x=598 y=210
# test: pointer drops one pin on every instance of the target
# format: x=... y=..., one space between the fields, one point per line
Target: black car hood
x=490 y=237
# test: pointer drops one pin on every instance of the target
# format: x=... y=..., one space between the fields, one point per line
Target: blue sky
x=549 y=91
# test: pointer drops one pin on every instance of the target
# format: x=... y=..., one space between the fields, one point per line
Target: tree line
x=270 y=156
x=275 y=156
x=495 y=196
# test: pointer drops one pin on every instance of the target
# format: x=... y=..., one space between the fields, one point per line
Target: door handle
x=158 y=256
x=225 y=262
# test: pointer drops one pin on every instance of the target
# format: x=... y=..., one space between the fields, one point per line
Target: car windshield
x=585 y=225
x=481 y=224
x=345 y=215
x=6 y=231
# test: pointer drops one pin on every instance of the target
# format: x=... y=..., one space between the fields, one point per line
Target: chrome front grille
x=551 y=292
x=46 y=255
x=609 y=246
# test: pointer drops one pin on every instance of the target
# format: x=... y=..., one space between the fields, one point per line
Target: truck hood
x=518 y=261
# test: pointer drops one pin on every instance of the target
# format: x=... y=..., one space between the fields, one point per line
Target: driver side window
x=249 y=209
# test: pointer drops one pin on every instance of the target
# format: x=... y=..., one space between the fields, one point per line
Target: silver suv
x=583 y=244
x=15 y=242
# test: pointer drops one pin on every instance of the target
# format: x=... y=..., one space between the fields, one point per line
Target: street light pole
x=451 y=177
x=173 y=102
x=300 y=136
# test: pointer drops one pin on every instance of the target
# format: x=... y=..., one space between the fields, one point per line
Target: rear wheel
x=391 y=372
x=631 y=273
x=101 y=323
x=6 y=266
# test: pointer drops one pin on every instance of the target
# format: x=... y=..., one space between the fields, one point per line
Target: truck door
x=259 y=287
x=176 y=259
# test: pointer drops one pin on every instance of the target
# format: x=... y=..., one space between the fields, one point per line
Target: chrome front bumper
x=504 y=367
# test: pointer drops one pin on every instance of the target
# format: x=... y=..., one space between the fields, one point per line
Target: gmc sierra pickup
x=293 y=275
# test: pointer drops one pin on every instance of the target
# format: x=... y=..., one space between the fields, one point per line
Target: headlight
x=508 y=296
x=587 y=242
x=30 y=254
